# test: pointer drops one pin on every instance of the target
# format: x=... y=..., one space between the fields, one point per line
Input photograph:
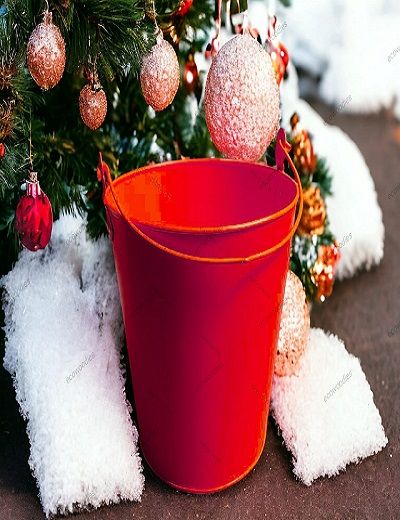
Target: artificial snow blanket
x=326 y=413
x=63 y=336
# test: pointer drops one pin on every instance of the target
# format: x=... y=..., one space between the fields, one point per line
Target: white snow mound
x=63 y=336
x=326 y=413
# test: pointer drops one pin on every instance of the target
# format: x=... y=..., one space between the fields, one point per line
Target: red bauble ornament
x=190 y=74
x=277 y=51
x=92 y=106
x=2 y=150
x=159 y=75
x=34 y=216
x=46 y=53
x=184 y=7
x=242 y=99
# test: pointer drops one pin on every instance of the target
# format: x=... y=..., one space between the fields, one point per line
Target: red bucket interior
x=205 y=193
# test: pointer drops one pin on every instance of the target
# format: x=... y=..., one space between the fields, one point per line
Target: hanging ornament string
x=228 y=15
x=246 y=23
x=271 y=8
x=151 y=13
x=32 y=174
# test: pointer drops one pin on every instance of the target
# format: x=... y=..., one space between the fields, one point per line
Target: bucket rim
x=165 y=227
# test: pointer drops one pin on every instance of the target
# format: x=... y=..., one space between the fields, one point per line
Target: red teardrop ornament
x=34 y=217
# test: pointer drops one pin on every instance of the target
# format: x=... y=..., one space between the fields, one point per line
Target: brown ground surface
x=361 y=311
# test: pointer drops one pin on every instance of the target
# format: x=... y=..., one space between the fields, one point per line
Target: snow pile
x=358 y=56
x=63 y=336
x=326 y=414
x=354 y=213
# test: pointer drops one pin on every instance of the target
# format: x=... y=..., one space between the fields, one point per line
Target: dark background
x=361 y=311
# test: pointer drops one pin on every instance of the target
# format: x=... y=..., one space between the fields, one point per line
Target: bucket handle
x=104 y=175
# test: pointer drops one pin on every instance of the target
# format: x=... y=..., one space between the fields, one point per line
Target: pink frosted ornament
x=34 y=216
x=159 y=75
x=242 y=99
x=46 y=53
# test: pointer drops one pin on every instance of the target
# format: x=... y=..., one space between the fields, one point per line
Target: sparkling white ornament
x=46 y=53
x=159 y=75
x=295 y=328
x=242 y=99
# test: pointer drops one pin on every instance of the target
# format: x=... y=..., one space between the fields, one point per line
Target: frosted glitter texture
x=46 y=54
x=242 y=99
x=295 y=328
x=159 y=75
x=92 y=106
x=64 y=332
x=326 y=414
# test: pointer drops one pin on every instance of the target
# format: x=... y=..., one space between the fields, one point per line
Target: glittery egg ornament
x=92 y=106
x=295 y=328
x=242 y=99
x=159 y=75
x=46 y=53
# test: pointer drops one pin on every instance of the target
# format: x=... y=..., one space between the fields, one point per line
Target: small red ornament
x=277 y=51
x=190 y=74
x=34 y=216
x=2 y=150
x=184 y=7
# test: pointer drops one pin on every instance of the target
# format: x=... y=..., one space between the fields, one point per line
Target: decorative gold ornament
x=323 y=271
x=314 y=213
x=304 y=157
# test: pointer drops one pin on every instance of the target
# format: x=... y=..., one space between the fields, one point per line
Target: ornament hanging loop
x=153 y=17
x=33 y=177
x=245 y=24
x=31 y=172
x=47 y=14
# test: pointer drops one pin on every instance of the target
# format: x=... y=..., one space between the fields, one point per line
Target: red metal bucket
x=201 y=250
